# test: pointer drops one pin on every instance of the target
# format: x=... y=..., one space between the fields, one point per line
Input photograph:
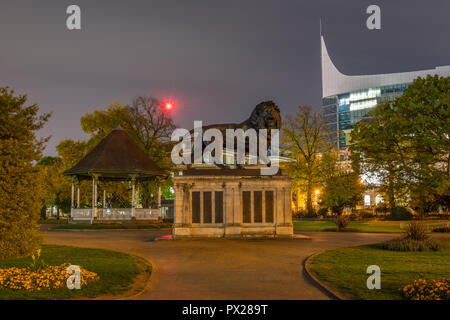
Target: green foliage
x=406 y=145
x=56 y=186
x=167 y=190
x=441 y=229
x=341 y=185
x=381 y=208
x=20 y=185
x=37 y=263
x=341 y=222
x=416 y=231
x=400 y=213
x=323 y=212
x=304 y=139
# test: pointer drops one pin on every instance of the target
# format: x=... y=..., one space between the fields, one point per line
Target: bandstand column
x=94 y=198
x=159 y=196
x=78 y=196
x=133 y=182
x=72 y=200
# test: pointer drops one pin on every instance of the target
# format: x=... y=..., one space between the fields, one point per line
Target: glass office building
x=347 y=99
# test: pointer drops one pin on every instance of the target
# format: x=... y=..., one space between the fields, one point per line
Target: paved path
x=220 y=269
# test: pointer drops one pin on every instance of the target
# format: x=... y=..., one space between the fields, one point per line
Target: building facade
x=232 y=203
x=347 y=99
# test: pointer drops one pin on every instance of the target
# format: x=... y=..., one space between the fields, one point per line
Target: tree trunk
x=44 y=212
x=309 y=206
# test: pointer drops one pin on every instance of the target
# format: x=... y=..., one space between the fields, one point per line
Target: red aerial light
x=169 y=105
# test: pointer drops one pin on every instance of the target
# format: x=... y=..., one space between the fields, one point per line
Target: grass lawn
x=361 y=226
x=111 y=226
x=347 y=267
x=116 y=271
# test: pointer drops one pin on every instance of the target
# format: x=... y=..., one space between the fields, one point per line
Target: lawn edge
x=330 y=289
x=130 y=293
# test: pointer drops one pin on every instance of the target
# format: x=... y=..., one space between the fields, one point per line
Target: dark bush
x=323 y=212
x=400 y=213
x=405 y=244
x=416 y=231
x=298 y=214
x=381 y=208
x=341 y=221
x=441 y=229
x=366 y=214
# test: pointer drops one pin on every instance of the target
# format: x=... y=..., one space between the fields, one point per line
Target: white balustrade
x=116 y=214
x=81 y=214
x=147 y=214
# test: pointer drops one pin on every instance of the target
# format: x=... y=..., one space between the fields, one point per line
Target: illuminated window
x=365 y=94
x=367 y=200
x=363 y=104
x=379 y=199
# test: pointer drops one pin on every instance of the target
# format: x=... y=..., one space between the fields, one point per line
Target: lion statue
x=266 y=115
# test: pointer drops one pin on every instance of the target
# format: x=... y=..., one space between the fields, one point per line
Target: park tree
x=304 y=138
x=20 y=185
x=407 y=144
x=56 y=187
x=374 y=153
x=341 y=184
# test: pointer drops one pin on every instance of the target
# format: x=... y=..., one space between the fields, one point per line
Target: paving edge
x=334 y=292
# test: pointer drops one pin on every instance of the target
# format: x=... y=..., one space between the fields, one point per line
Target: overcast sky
x=216 y=58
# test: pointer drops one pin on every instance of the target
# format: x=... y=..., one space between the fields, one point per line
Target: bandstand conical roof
x=116 y=157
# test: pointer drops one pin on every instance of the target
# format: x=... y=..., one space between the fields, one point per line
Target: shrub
x=381 y=208
x=20 y=182
x=298 y=214
x=367 y=214
x=37 y=263
x=416 y=231
x=427 y=290
x=341 y=221
x=323 y=212
x=441 y=229
x=400 y=213
x=405 y=244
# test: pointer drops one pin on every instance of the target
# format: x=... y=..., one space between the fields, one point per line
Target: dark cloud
x=218 y=59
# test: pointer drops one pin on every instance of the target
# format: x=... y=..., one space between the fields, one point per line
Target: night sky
x=217 y=59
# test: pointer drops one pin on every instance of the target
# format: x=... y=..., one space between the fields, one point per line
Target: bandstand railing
x=106 y=214
x=81 y=214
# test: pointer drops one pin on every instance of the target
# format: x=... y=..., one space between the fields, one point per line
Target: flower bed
x=52 y=277
x=427 y=290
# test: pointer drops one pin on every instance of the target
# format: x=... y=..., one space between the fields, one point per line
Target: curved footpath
x=220 y=269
